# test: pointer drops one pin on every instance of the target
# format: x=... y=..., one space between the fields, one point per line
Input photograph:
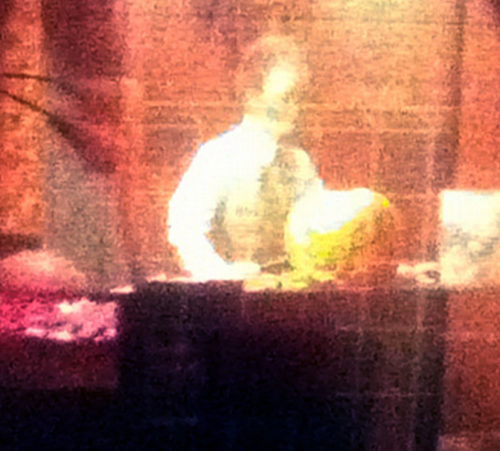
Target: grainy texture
x=352 y=368
x=102 y=106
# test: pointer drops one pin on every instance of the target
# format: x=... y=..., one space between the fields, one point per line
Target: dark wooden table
x=329 y=368
x=212 y=366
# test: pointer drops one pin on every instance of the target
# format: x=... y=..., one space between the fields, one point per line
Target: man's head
x=274 y=67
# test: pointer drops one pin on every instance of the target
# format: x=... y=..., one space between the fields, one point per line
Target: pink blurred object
x=48 y=341
x=56 y=318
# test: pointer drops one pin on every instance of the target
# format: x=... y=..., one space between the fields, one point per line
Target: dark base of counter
x=211 y=367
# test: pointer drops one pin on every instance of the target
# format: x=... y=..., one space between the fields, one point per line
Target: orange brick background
x=403 y=98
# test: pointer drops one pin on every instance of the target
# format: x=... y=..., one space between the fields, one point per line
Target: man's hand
x=226 y=271
x=243 y=270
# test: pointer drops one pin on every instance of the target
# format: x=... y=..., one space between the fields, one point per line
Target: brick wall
x=479 y=159
x=400 y=98
x=21 y=206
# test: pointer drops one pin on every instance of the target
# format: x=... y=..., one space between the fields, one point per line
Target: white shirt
x=230 y=163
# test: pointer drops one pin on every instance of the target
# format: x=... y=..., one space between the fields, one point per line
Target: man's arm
x=191 y=211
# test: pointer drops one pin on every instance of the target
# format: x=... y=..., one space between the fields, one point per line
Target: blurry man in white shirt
x=244 y=203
